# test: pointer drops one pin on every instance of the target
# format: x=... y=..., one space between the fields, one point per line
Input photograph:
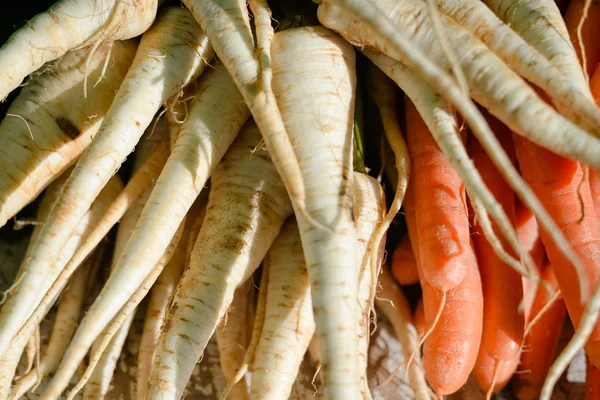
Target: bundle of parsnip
x=253 y=213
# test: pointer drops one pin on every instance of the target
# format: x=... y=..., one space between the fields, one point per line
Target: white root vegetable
x=394 y=305
x=369 y=214
x=445 y=122
x=177 y=112
x=35 y=281
x=215 y=119
x=377 y=20
x=8 y=364
x=570 y=97
x=10 y=359
x=48 y=126
x=491 y=82
x=314 y=81
x=256 y=328
x=540 y=23
x=30 y=352
x=66 y=320
x=162 y=291
x=66 y=369
x=67 y=25
x=171 y=53
x=288 y=324
x=138 y=183
x=246 y=208
x=233 y=338
x=99 y=382
x=227 y=24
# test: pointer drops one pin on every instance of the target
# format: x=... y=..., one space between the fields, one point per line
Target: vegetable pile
x=254 y=160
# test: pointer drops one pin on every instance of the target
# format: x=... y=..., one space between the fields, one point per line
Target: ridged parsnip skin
x=9 y=360
x=72 y=359
x=540 y=23
x=39 y=281
x=233 y=337
x=247 y=206
x=36 y=281
x=215 y=119
x=138 y=183
x=491 y=82
x=99 y=383
x=227 y=24
x=62 y=124
x=31 y=349
x=67 y=25
x=66 y=320
x=570 y=97
x=162 y=291
x=170 y=54
x=369 y=212
x=289 y=323
x=314 y=81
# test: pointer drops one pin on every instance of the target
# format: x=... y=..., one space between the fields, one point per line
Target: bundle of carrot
x=274 y=145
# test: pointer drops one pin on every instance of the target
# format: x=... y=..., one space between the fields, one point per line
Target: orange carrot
x=540 y=344
x=557 y=183
x=593 y=175
x=493 y=375
x=590 y=31
x=440 y=208
x=528 y=233
x=450 y=350
x=503 y=324
x=595 y=188
x=404 y=266
x=419 y=318
x=592 y=381
x=595 y=85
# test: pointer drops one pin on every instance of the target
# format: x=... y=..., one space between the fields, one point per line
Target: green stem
x=359 y=159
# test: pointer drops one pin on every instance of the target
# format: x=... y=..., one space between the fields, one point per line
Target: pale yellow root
x=162 y=291
x=69 y=24
x=228 y=27
x=138 y=183
x=233 y=338
x=48 y=126
x=318 y=116
x=112 y=329
x=369 y=214
x=259 y=320
x=288 y=323
x=67 y=317
x=31 y=352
